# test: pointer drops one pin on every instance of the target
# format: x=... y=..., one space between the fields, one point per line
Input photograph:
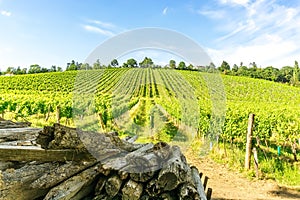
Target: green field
x=160 y=105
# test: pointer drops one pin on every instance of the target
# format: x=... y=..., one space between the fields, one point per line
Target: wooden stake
x=255 y=160
x=249 y=141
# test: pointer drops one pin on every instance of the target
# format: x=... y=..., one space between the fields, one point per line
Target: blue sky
x=54 y=32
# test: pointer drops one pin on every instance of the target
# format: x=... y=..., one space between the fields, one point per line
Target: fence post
x=255 y=161
x=249 y=141
x=58 y=114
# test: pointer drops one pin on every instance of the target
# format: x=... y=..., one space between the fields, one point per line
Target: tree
x=72 y=66
x=59 y=69
x=97 y=64
x=147 y=62
x=172 y=64
x=225 y=67
x=24 y=71
x=114 y=63
x=85 y=66
x=131 y=63
x=44 y=70
x=190 y=67
x=9 y=70
x=270 y=73
x=235 y=68
x=33 y=69
x=182 y=65
x=286 y=74
x=53 y=68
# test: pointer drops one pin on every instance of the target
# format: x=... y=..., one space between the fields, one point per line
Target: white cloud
x=262 y=31
x=165 y=11
x=235 y=2
x=5 y=13
x=103 y=24
x=98 y=30
x=214 y=14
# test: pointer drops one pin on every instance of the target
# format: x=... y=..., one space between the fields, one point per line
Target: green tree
x=114 y=63
x=131 y=63
x=286 y=74
x=53 y=68
x=190 y=67
x=72 y=66
x=33 y=69
x=59 y=69
x=97 y=64
x=225 y=67
x=235 y=68
x=270 y=73
x=147 y=62
x=9 y=70
x=182 y=65
x=172 y=64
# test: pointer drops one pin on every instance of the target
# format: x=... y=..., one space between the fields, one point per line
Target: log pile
x=103 y=166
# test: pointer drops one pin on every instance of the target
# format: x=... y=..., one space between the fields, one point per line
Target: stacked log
x=112 y=168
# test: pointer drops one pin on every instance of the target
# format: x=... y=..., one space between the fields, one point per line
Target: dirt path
x=227 y=184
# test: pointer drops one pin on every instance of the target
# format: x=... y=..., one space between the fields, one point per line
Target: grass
x=285 y=172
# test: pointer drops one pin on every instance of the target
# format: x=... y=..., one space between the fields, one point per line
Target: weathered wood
x=15 y=134
x=132 y=139
x=162 y=150
x=60 y=174
x=188 y=192
x=249 y=141
x=100 y=185
x=16 y=182
x=4 y=124
x=33 y=153
x=197 y=182
x=113 y=185
x=70 y=188
x=132 y=190
x=255 y=157
x=152 y=188
x=168 y=196
x=209 y=193
x=174 y=171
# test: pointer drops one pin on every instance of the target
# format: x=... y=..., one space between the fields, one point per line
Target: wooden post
x=205 y=182
x=209 y=193
x=249 y=141
x=255 y=160
x=58 y=114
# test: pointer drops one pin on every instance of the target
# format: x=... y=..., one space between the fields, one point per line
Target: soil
x=227 y=184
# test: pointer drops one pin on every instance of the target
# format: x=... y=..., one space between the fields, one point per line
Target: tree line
x=287 y=74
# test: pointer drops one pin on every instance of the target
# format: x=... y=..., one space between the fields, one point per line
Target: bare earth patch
x=228 y=184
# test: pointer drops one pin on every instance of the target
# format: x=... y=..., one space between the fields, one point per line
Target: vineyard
x=159 y=105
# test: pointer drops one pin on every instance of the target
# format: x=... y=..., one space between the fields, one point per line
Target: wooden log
x=70 y=188
x=33 y=153
x=168 y=196
x=100 y=185
x=60 y=174
x=142 y=160
x=174 y=171
x=197 y=182
x=132 y=190
x=15 y=183
x=113 y=185
x=188 y=192
x=132 y=139
x=152 y=188
x=15 y=134
x=162 y=150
